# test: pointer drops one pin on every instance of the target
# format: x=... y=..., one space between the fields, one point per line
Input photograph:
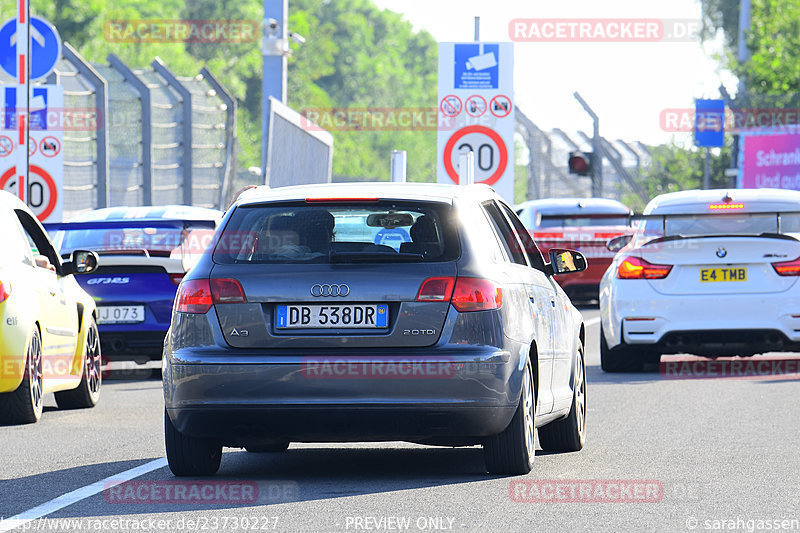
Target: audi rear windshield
x=340 y=232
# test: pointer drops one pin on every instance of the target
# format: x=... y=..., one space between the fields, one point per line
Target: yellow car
x=48 y=330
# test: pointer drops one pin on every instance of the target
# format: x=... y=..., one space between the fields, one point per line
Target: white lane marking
x=77 y=495
x=592 y=321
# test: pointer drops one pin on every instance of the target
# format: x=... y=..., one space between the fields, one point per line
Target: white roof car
x=710 y=273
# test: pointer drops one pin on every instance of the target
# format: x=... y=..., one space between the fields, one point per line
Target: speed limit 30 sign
x=491 y=153
x=481 y=76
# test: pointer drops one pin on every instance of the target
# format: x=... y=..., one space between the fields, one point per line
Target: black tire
x=25 y=404
x=190 y=456
x=273 y=447
x=513 y=450
x=87 y=394
x=569 y=434
x=620 y=359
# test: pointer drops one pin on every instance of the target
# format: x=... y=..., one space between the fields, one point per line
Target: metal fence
x=157 y=139
x=548 y=174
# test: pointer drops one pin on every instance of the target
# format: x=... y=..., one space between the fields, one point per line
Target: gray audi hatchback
x=374 y=312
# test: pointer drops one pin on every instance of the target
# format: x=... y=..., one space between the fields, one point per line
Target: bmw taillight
x=788 y=268
x=227 y=291
x=5 y=291
x=638 y=268
x=476 y=294
x=194 y=296
x=436 y=289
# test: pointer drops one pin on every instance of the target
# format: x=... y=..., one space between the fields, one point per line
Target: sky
x=628 y=84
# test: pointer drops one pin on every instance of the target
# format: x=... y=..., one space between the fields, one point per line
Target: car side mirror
x=618 y=243
x=81 y=262
x=566 y=261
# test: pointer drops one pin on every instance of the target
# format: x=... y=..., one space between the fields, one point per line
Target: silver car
x=374 y=312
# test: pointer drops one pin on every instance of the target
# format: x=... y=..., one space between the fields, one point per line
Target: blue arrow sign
x=45 y=48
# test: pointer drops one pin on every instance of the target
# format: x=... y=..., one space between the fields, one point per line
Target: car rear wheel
x=569 y=434
x=88 y=392
x=190 y=456
x=24 y=405
x=273 y=447
x=513 y=450
x=619 y=359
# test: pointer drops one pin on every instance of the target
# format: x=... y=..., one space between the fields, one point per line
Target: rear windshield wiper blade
x=374 y=257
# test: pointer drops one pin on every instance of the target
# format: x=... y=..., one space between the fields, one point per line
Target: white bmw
x=710 y=273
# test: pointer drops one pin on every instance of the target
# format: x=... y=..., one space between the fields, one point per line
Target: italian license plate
x=120 y=314
x=368 y=316
x=723 y=274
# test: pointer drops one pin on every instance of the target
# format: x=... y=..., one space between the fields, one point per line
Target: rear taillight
x=638 y=268
x=436 y=289
x=788 y=268
x=176 y=278
x=5 y=291
x=194 y=296
x=227 y=291
x=475 y=294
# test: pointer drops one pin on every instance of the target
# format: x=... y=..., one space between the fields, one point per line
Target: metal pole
x=274 y=49
x=147 y=125
x=477 y=29
x=597 y=159
x=466 y=168
x=230 y=133
x=101 y=106
x=399 y=166
x=186 y=124
x=706 y=179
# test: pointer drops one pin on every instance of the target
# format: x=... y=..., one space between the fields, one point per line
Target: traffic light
x=580 y=163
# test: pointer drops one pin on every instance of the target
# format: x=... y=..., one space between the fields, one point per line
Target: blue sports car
x=144 y=254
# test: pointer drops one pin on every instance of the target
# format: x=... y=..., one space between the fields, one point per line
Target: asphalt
x=661 y=455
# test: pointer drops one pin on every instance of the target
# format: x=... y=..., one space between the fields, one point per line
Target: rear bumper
x=362 y=396
x=131 y=345
x=722 y=324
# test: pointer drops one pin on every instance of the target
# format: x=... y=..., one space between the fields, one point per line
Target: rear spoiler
x=129 y=224
x=663 y=218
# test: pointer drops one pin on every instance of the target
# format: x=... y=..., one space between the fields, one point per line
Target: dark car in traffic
x=301 y=324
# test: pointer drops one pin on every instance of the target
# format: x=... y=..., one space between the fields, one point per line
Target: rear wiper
x=374 y=257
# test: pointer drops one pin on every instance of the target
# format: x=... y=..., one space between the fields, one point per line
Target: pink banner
x=771 y=161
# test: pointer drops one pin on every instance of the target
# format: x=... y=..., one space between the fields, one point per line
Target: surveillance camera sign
x=481 y=76
x=476 y=66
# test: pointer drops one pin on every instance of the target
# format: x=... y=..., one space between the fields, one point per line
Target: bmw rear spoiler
x=710 y=214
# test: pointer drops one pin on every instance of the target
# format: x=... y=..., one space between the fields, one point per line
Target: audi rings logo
x=329 y=290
